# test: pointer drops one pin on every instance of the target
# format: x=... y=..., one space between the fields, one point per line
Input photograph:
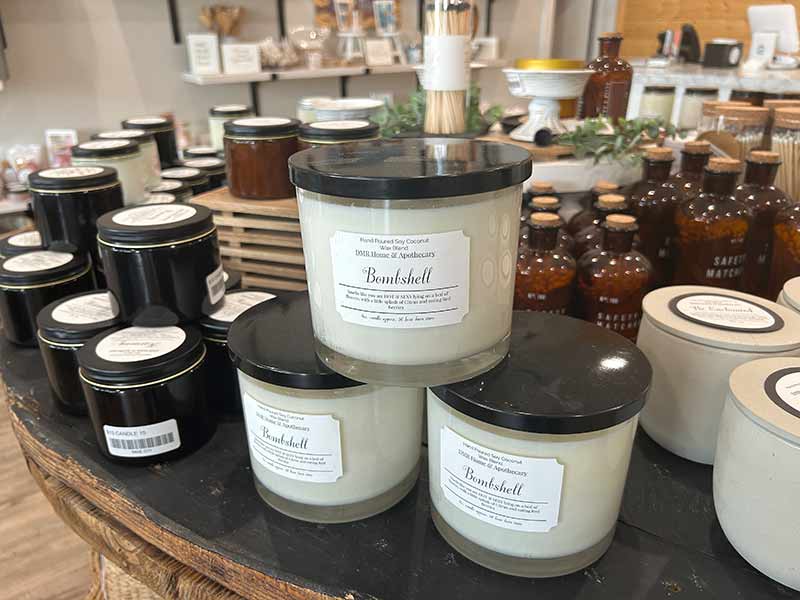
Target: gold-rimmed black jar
x=64 y=327
x=20 y=243
x=210 y=165
x=163 y=129
x=257 y=150
x=31 y=281
x=323 y=133
x=161 y=262
x=193 y=177
x=145 y=391
x=181 y=191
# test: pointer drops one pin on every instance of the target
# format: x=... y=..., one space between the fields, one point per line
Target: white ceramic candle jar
x=756 y=479
x=694 y=337
x=789 y=296
x=527 y=463
x=122 y=155
x=323 y=448
x=410 y=250
x=147 y=146
x=221 y=114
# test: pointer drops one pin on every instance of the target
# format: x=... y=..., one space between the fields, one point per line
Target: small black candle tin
x=64 y=326
x=163 y=129
x=201 y=152
x=191 y=176
x=145 y=390
x=222 y=381
x=20 y=243
x=212 y=166
x=233 y=280
x=181 y=191
x=161 y=262
x=67 y=202
x=31 y=281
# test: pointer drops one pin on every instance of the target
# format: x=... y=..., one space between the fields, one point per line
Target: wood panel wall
x=641 y=20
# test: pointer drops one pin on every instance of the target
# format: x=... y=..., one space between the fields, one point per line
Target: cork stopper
x=764 y=157
x=611 y=201
x=697 y=147
x=545 y=202
x=609 y=35
x=546 y=219
x=621 y=222
x=603 y=187
x=747 y=115
x=788 y=118
x=658 y=153
x=719 y=164
x=542 y=187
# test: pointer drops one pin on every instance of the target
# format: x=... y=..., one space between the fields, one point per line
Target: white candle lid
x=723 y=318
x=791 y=292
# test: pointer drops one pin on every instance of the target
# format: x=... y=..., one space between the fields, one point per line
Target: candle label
x=104 y=144
x=236 y=303
x=215 y=283
x=38 y=260
x=505 y=490
x=147 y=121
x=180 y=172
x=144 y=440
x=155 y=214
x=122 y=133
x=293 y=445
x=446 y=62
x=165 y=186
x=783 y=388
x=92 y=308
x=28 y=239
x=135 y=344
x=401 y=281
x=726 y=312
x=159 y=198
x=70 y=172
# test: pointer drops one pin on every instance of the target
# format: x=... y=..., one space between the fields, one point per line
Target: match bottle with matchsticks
x=448 y=29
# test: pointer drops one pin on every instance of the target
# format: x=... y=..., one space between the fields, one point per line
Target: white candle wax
x=132 y=171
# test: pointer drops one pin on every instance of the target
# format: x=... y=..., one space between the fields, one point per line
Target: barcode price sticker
x=142 y=441
x=215 y=282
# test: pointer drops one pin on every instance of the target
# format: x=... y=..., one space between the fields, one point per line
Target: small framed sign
x=203 y=51
x=241 y=58
x=379 y=52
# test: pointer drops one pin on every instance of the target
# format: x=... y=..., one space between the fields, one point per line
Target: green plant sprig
x=619 y=141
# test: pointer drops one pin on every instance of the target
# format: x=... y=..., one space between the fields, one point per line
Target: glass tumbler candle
x=147 y=146
x=221 y=114
x=123 y=156
x=410 y=252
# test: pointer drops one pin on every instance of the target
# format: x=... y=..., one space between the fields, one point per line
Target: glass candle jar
x=31 y=281
x=19 y=243
x=336 y=132
x=221 y=114
x=691 y=111
x=527 y=463
x=213 y=167
x=163 y=129
x=63 y=327
x=786 y=142
x=410 y=255
x=123 y=156
x=147 y=146
x=694 y=336
x=222 y=383
x=256 y=154
x=145 y=390
x=161 y=262
x=196 y=179
x=657 y=103
x=772 y=105
x=68 y=201
x=201 y=152
x=347 y=109
x=755 y=469
x=746 y=124
x=306 y=108
x=179 y=189
x=323 y=447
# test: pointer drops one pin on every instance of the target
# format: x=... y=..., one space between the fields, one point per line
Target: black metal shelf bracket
x=172 y=7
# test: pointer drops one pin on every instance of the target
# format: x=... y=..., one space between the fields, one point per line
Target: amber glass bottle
x=712 y=229
x=759 y=194
x=537 y=189
x=653 y=201
x=545 y=274
x=694 y=158
x=785 y=250
x=591 y=236
x=606 y=92
x=589 y=216
x=551 y=204
x=613 y=280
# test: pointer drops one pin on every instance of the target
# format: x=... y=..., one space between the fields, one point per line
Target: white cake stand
x=546 y=88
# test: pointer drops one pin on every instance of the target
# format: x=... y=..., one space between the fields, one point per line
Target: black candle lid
x=76 y=318
x=105 y=149
x=19 y=243
x=130 y=356
x=216 y=323
x=154 y=224
x=410 y=168
x=332 y=131
x=206 y=164
x=230 y=110
x=140 y=136
x=61 y=179
x=233 y=279
x=173 y=186
x=273 y=342
x=148 y=123
x=44 y=267
x=262 y=127
x=561 y=376
x=200 y=152
x=189 y=175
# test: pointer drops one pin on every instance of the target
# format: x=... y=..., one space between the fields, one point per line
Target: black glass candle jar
x=164 y=131
x=181 y=191
x=162 y=262
x=145 y=390
x=67 y=202
x=222 y=383
x=31 y=281
x=64 y=326
x=232 y=279
x=20 y=243
x=194 y=178
x=212 y=166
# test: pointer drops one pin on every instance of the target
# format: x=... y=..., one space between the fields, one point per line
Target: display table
x=195 y=528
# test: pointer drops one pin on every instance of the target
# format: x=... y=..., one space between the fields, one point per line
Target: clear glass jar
x=709 y=120
x=306 y=108
x=772 y=105
x=122 y=155
x=221 y=114
x=786 y=142
x=657 y=103
x=746 y=124
x=691 y=113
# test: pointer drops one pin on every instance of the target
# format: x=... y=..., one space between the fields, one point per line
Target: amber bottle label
x=555 y=301
x=615 y=98
x=622 y=315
